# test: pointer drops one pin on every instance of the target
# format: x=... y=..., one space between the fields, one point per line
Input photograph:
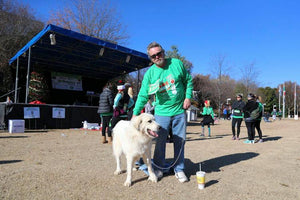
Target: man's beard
x=160 y=62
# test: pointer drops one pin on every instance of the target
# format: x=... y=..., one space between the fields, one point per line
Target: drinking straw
x=200 y=166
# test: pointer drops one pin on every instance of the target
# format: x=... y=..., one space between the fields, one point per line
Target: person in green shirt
x=258 y=120
x=274 y=114
x=237 y=116
x=172 y=86
x=208 y=117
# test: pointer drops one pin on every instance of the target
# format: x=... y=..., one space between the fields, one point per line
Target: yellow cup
x=201 y=179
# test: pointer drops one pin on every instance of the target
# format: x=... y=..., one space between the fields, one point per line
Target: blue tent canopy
x=75 y=53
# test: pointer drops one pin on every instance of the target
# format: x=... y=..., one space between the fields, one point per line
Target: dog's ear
x=136 y=122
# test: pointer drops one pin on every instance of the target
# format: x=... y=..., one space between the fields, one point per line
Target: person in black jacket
x=105 y=110
x=258 y=120
x=237 y=116
x=250 y=106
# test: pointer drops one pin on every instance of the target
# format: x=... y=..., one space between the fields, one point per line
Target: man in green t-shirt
x=172 y=86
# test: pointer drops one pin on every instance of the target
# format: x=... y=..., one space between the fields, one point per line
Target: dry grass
x=72 y=164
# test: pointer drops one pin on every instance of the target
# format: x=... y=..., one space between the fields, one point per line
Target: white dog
x=134 y=139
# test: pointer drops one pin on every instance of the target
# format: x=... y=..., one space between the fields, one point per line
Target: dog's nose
x=159 y=127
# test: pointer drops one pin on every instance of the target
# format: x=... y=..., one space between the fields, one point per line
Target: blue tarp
x=79 y=36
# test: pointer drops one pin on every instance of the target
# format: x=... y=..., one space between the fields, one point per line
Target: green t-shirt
x=171 y=85
x=208 y=111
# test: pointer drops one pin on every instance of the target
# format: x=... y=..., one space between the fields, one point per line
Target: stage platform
x=47 y=116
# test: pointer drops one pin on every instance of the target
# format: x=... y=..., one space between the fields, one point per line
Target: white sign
x=58 y=113
x=31 y=112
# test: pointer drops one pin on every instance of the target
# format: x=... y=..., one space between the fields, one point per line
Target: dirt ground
x=72 y=164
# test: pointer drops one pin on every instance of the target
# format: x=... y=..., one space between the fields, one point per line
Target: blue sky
x=264 y=32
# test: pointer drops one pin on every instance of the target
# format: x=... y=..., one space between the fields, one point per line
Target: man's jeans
x=178 y=125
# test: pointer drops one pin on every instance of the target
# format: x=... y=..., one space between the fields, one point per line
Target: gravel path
x=72 y=164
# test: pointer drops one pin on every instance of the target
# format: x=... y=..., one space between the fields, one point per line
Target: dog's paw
x=117 y=172
x=153 y=178
x=127 y=183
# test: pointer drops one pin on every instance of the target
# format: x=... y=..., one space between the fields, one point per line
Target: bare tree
x=203 y=88
x=91 y=17
x=227 y=90
x=135 y=79
x=249 y=77
x=17 y=27
x=289 y=97
x=220 y=69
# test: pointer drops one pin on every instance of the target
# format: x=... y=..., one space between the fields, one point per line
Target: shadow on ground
x=9 y=161
x=268 y=139
x=193 y=124
x=188 y=138
x=214 y=165
x=35 y=130
x=199 y=124
x=203 y=138
x=3 y=137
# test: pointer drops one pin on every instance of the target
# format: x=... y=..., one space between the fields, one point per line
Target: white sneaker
x=181 y=177
x=158 y=173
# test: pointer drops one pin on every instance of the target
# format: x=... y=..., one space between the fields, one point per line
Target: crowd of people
x=166 y=92
x=251 y=112
x=112 y=110
x=252 y=115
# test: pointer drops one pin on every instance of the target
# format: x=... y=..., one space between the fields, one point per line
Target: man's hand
x=186 y=104
x=133 y=116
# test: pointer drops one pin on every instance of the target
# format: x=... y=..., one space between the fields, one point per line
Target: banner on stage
x=64 y=81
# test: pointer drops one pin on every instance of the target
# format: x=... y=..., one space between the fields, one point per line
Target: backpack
x=255 y=113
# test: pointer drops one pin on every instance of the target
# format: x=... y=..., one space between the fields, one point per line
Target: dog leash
x=173 y=164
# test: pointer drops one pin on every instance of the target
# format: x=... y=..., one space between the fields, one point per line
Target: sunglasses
x=154 y=55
